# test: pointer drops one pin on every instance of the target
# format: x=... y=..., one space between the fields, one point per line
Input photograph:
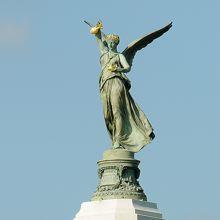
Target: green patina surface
x=118 y=176
x=127 y=125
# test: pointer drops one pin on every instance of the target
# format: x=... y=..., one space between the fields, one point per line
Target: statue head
x=112 y=41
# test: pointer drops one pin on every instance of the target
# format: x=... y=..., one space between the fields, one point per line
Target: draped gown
x=126 y=123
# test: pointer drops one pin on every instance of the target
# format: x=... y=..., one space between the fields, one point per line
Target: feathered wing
x=142 y=42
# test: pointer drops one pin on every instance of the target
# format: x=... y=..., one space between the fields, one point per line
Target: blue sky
x=52 y=130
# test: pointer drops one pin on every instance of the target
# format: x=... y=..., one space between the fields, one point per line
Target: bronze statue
x=127 y=125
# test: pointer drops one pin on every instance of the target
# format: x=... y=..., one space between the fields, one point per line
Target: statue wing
x=142 y=42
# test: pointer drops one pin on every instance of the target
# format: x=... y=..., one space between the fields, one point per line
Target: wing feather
x=142 y=42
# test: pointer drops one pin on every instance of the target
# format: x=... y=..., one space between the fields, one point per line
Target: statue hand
x=112 y=67
x=96 y=29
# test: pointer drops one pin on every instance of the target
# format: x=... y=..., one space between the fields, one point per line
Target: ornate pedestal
x=119 y=195
x=118 y=173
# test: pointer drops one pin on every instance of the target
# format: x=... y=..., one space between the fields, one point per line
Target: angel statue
x=126 y=123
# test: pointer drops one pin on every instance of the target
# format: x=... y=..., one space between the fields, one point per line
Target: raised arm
x=96 y=30
x=101 y=42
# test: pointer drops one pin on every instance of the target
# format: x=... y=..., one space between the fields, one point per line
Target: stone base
x=119 y=209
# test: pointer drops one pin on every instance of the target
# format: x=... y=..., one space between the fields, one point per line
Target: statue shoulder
x=121 y=56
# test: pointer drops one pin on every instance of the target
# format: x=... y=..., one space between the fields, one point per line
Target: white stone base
x=118 y=209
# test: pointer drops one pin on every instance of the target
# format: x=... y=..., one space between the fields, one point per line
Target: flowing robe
x=125 y=121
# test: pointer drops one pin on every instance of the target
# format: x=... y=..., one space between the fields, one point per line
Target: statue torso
x=107 y=59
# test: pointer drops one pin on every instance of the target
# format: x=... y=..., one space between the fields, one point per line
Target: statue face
x=112 y=45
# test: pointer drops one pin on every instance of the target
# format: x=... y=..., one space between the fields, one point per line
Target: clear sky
x=52 y=130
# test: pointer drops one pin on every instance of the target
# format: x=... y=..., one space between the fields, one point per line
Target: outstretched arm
x=101 y=42
x=96 y=30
